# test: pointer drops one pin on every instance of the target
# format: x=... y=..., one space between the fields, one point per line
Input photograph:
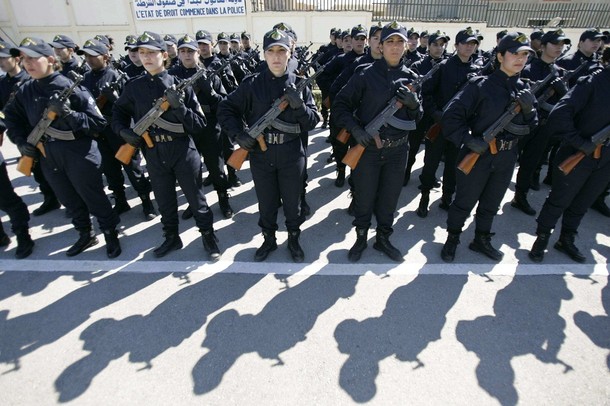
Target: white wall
x=83 y=19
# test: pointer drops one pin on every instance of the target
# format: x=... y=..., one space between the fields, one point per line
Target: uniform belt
x=517 y=129
x=503 y=145
x=406 y=125
x=164 y=137
x=279 y=138
x=286 y=127
x=387 y=143
x=169 y=126
x=60 y=135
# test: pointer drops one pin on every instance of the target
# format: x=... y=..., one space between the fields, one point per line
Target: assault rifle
x=489 y=135
x=26 y=163
x=565 y=79
x=126 y=151
x=414 y=87
x=599 y=138
x=237 y=158
x=102 y=99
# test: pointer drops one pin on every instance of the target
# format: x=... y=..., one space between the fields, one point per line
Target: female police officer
x=278 y=172
x=378 y=177
x=72 y=162
x=468 y=115
x=173 y=156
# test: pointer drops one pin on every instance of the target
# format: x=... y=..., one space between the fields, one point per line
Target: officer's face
x=551 y=50
x=423 y=41
x=134 y=57
x=375 y=44
x=188 y=57
x=223 y=46
x=38 y=67
x=347 y=44
x=393 y=48
x=62 y=53
x=412 y=42
x=277 y=59
x=535 y=43
x=511 y=63
x=153 y=60
x=358 y=44
x=465 y=50
x=172 y=51
x=436 y=48
x=8 y=64
x=590 y=46
x=205 y=49
x=245 y=42
x=234 y=46
x=95 y=62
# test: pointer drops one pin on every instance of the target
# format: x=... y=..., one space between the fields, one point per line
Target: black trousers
x=178 y=160
x=486 y=185
x=11 y=203
x=434 y=152
x=571 y=195
x=73 y=169
x=278 y=173
x=210 y=146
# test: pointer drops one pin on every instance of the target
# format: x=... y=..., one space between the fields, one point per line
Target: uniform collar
x=501 y=77
x=48 y=79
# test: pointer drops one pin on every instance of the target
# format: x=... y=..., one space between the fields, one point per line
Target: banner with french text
x=154 y=9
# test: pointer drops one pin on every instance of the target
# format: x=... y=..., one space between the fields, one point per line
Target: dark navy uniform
x=277 y=173
x=132 y=70
x=72 y=164
x=465 y=119
x=576 y=117
x=377 y=179
x=74 y=64
x=228 y=80
x=573 y=61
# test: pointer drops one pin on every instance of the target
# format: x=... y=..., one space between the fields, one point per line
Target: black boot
x=566 y=245
x=305 y=209
x=225 y=207
x=482 y=244
x=293 y=246
x=535 y=182
x=360 y=245
x=113 y=247
x=209 y=243
x=536 y=254
x=147 y=208
x=232 y=178
x=445 y=202
x=448 y=252
x=422 y=209
x=87 y=239
x=270 y=244
x=25 y=245
x=383 y=244
x=5 y=240
x=520 y=202
x=120 y=202
x=172 y=242
x=50 y=203
x=187 y=214
x=340 y=181
x=601 y=207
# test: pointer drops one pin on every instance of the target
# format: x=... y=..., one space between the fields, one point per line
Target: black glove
x=407 y=98
x=559 y=87
x=27 y=149
x=59 y=107
x=245 y=141
x=175 y=97
x=526 y=100
x=131 y=138
x=362 y=137
x=587 y=147
x=293 y=97
x=109 y=92
x=477 y=145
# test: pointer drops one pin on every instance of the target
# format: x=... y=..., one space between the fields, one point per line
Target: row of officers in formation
x=386 y=91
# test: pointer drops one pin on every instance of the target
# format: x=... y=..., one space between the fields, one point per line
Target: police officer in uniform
x=135 y=67
x=375 y=178
x=72 y=164
x=278 y=173
x=172 y=50
x=210 y=93
x=15 y=75
x=591 y=40
x=411 y=55
x=105 y=84
x=173 y=156
x=464 y=121
x=253 y=54
x=65 y=49
x=576 y=117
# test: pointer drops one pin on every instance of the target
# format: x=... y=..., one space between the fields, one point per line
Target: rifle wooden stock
x=25 y=165
x=101 y=101
x=433 y=132
x=468 y=162
x=353 y=156
x=127 y=151
x=326 y=102
x=492 y=147
x=237 y=158
x=343 y=136
x=570 y=162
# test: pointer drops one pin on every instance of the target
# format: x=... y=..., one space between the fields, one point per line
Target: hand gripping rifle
x=414 y=87
x=26 y=163
x=565 y=79
x=237 y=158
x=126 y=151
x=489 y=135
x=599 y=138
x=102 y=99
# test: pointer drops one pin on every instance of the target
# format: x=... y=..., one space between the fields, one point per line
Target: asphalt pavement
x=182 y=330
